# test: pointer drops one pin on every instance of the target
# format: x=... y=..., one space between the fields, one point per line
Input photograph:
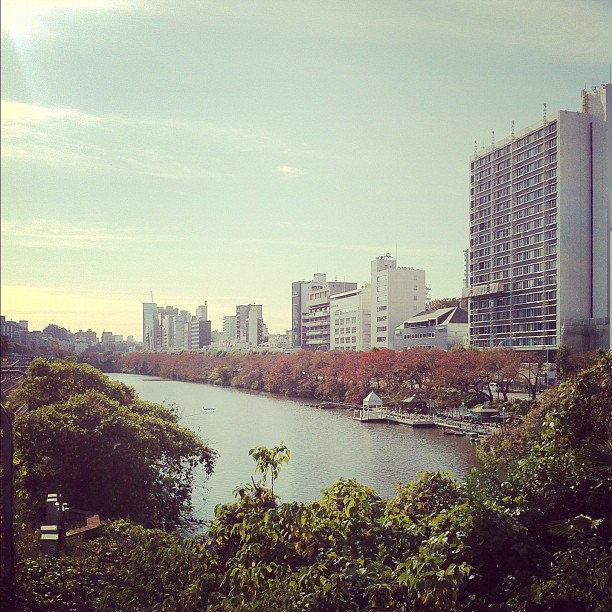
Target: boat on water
x=207 y=409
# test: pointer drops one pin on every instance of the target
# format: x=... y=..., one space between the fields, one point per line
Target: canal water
x=325 y=444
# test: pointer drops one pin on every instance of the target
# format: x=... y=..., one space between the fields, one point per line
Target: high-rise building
x=250 y=329
x=151 y=338
x=397 y=294
x=200 y=334
x=316 y=323
x=169 y=329
x=229 y=329
x=300 y=291
x=539 y=253
x=350 y=320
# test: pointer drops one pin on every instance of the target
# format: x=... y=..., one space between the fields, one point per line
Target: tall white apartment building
x=250 y=329
x=396 y=295
x=539 y=254
x=350 y=320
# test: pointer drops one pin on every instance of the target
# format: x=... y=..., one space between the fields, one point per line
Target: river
x=324 y=444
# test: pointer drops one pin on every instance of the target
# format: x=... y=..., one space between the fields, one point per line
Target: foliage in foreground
x=92 y=440
x=530 y=529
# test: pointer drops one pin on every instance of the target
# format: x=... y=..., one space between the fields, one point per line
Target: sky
x=217 y=151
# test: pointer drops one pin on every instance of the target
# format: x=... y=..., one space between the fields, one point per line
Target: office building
x=151 y=338
x=396 y=295
x=539 y=252
x=300 y=291
x=315 y=320
x=350 y=320
x=250 y=329
x=170 y=329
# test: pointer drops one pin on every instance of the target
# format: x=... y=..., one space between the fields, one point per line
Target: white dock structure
x=382 y=414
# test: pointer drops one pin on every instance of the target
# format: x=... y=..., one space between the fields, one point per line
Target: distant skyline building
x=539 y=252
x=396 y=294
x=229 y=330
x=250 y=328
x=169 y=329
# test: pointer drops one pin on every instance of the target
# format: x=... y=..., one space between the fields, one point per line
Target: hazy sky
x=221 y=150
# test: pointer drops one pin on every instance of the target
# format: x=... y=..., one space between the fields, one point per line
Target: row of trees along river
x=343 y=376
x=530 y=528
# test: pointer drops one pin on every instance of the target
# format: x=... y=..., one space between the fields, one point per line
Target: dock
x=450 y=426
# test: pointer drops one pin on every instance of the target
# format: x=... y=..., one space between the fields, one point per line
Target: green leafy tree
x=90 y=439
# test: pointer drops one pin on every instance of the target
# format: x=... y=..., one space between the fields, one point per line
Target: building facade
x=316 y=322
x=396 y=295
x=350 y=320
x=170 y=329
x=443 y=329
x=250 y=329
x=300 y=292
x=539 y=253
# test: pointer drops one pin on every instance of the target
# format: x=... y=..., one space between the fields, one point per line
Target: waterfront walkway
x=388 y=415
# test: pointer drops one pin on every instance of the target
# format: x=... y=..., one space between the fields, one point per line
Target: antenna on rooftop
x=475 y=147
x=512 y=129
x=493 y=139
x=152 y=300
x=544 y=113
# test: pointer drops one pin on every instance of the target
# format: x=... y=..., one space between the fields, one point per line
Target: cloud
x=42 y=233
x=289 y=171
x=162 y=147
x=19 y=118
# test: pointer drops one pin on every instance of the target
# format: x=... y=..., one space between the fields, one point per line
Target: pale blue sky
x=221 y=150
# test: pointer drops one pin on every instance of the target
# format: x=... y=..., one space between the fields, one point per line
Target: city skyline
x=221 y=152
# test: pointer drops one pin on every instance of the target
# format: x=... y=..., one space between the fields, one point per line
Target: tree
x=270 y=460
x=57 y=332
x=437 y=303
x=104 y=450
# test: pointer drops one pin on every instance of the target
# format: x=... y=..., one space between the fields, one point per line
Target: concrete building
x=539 y=253
x=15 y=332
x=350 y=320
x=151 y=333
x=250 y=329
x=229 y=330
x=316 y=322
x=396 y=295
x=443 y=328
x=170 y=329
x=200 y=332
x=300 y=291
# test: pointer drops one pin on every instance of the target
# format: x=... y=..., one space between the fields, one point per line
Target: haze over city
x=219 y=151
